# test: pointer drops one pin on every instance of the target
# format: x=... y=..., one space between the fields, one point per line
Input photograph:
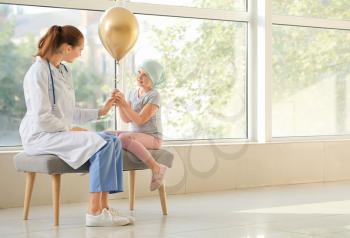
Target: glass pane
x=332 y=9
x=205 y=93
x=20 y=30
x=311 y=81
x=236 y=5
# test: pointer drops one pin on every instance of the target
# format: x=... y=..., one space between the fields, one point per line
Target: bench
x=54 y=166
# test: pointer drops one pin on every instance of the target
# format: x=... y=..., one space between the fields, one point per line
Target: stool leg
x=132 y=174
x=28 y=193
x=56 y=186
x=162 y=196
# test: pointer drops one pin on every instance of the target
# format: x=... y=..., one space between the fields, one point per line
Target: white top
x=45 y=129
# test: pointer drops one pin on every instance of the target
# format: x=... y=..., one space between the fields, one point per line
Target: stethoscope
x=53 y=84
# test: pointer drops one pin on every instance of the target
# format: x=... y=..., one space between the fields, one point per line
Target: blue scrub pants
x=106 y=166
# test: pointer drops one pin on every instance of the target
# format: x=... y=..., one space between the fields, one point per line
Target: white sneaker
x=106 y=219
x=114 y=212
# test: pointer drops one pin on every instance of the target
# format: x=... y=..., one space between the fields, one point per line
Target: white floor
x=298 y=211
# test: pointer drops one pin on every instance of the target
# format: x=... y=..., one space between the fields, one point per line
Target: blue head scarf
x=154 y=70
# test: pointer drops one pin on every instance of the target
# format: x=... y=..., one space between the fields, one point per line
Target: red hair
x=56 y=36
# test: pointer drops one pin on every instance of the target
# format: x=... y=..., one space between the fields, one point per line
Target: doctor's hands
x=108 y=105
x=117 y=98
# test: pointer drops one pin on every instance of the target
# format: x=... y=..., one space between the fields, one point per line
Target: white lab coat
x=46 y=131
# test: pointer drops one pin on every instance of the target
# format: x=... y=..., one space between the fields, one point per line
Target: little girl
x=142 y=109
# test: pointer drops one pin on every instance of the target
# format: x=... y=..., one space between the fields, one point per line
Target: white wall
x=203 y=168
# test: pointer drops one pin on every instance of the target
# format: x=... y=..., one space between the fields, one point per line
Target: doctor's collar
x=38 y=58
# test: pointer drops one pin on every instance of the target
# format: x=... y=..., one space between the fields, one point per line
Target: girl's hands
x=77 y=129
x=120 y=99
x=117 y=98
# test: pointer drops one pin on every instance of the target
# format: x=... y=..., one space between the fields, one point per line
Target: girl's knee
x=157 y=143
x=125 y=139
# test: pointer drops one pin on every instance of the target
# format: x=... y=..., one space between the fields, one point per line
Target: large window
x=310 y=68
x=311 y=81
x=20 y=30
x=298 y=72
x=204 y=96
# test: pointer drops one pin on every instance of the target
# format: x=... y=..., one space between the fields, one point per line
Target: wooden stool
x=54 y=166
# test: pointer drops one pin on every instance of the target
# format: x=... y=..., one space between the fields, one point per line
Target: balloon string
x=116 y=63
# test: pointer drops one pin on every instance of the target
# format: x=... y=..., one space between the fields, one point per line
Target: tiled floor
x=298 y=211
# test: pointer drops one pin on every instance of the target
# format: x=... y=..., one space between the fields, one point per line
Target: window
x=205 y=93
x=310 y=68
x=204 y=96
x=331 y=9
x=19 y=35
x=298 y=54
x=237 y=5
x=311 y=81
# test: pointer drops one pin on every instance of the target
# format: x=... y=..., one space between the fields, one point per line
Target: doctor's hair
x=56 y=36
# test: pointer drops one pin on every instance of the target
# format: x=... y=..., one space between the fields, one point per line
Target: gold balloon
x=118 y=30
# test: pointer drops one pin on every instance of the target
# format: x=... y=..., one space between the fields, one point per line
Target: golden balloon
x=118 y=30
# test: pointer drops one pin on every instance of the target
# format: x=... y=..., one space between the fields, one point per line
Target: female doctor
x=47 y=126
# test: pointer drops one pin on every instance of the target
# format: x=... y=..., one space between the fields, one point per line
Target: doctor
x=47 y=126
